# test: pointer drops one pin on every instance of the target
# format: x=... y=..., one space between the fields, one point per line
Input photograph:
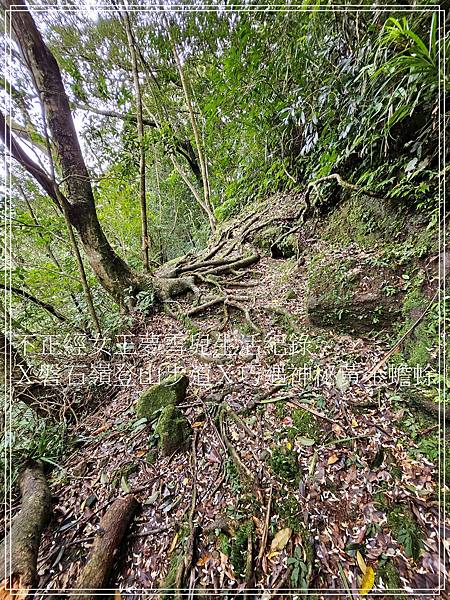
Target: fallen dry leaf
x=367 y=581
x=281 y=539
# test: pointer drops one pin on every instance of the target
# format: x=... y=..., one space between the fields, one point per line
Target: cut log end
x=14 y=588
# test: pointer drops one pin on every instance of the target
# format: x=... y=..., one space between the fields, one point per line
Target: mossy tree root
x=96 y=573
x=20 y=547
x=194 y=529
x=227 y=301
x=244 y=472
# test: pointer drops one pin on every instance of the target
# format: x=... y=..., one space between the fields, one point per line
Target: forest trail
x=322 y=459
x=224 y=298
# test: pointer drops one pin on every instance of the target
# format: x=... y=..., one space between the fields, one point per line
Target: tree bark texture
x=97 y=570
x=20 y=547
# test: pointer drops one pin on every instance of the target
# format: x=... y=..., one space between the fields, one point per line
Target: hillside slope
x=297 y=465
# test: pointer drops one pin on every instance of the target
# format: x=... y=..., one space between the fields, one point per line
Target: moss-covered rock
x=420 y=347
x=170 y=391
x=270 y=241
x=264 y=238
x=173 y=430
x=352 y=294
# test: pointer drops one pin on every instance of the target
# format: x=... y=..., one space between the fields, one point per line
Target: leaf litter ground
x=330 y=488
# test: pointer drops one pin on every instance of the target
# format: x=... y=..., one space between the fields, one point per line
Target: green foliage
x=299 y=575
x=388 y=573
x=233 y=476
x=406 y=530
x=281 y=98
x=421 y=346
x=284 y=463
x=145 y=301
x=288 y=509
x=30 y=438
x=239 y=545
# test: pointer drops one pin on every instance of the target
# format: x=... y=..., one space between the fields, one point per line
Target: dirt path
x=336 y=483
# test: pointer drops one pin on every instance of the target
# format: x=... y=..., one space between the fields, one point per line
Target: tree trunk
x=20 y=547
x=96 y=573
x=201 y=156
x=113 y=273
x=140 y=133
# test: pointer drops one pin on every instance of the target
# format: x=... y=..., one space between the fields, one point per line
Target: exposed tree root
x=171 y=287
x=202 y=307
x=249 y=562
x=20 y=547
x=244 y=472
x=344 y=184
x=186 y=273
x=265 y=532
x=185 y=564
x=230 y=265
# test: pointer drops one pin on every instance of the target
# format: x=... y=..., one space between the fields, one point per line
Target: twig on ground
x=265 y=532
x=397 y=344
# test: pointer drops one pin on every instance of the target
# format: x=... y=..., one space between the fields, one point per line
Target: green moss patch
x=173 y=430
x=388 y=574
x=239 y=548
x=284 y=464
x=170 y=580
x=304 y=424
x=170 y=391
x=288 y=509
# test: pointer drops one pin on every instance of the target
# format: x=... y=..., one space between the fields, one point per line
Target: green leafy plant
x=299 y=569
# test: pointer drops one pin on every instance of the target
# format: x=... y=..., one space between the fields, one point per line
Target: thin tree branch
x=45 y=305
x=116 y=115
x=27 y=163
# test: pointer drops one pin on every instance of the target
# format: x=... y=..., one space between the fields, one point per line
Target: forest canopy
x=234 y=105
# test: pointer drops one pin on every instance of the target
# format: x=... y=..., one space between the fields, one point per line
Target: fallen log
x=19 y=549
x=97 y=570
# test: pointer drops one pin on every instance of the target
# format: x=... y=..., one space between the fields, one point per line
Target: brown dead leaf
x=333 y=459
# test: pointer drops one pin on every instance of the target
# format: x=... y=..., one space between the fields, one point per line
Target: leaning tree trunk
x=141 y=141
x=20 y=547
x=113 y=273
